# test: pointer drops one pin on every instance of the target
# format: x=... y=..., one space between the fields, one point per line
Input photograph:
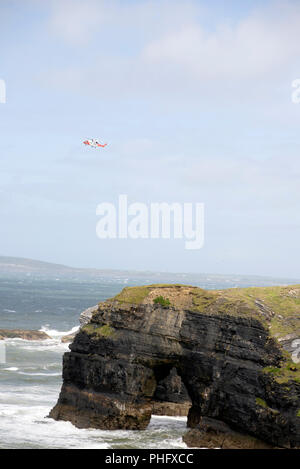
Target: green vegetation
x=284 y=302
x=136 y=295
x=287 y=371
x=261 y=403
x=272 y=369
x=233 y=302
x=162 y=301
x=298 y=413
x=278 y=308
x=103 y=331
x=202 y=299
x=132 y=295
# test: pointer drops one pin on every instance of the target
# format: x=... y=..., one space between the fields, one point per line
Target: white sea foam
x=39 y=374
x=26 y=401
x=54 y=345
x=32 y=429
x=24 y=423
x=168 y=417
x=54 y=334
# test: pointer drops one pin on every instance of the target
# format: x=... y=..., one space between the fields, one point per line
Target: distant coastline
x=31 y=267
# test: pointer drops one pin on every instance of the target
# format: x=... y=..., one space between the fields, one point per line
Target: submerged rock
x=23 y=334
x=242 y=386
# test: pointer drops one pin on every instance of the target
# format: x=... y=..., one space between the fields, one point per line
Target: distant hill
x=19 y=264
x=22 y=267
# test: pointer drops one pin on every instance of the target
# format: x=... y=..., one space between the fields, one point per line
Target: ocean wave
x=54 y=341
x=55 y=334
x=42 y=431
x=24 y=415
x=48 y=345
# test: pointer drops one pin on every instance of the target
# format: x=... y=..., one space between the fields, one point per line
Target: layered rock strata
x=224 y=345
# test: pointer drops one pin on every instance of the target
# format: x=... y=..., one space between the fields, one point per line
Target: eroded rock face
x=234 y=371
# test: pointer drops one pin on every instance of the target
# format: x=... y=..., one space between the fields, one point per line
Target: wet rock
x=215 y=434
x=22 y=334
x=66 y=339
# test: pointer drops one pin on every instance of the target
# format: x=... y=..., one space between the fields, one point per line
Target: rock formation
x=86 y=315
x=225 y=346
x=22 y=334
x=84 y=318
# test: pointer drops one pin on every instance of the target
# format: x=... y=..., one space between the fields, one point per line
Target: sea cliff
x=235 y=351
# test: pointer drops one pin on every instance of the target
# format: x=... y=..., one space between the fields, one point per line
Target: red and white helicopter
x=94 y=143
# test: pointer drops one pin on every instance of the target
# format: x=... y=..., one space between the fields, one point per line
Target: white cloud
x=141 y=51
x=258 y=45
x=76 y=21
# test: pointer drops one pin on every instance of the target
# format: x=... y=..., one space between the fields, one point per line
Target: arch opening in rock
x=170 y=397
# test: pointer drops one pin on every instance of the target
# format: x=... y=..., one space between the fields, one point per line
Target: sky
x=194 y=100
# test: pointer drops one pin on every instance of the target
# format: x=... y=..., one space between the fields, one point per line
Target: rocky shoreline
x=23 y=334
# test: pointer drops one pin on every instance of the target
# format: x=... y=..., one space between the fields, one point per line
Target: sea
x=31 y=372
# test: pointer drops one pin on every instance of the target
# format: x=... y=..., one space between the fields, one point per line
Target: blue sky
x=195 y=102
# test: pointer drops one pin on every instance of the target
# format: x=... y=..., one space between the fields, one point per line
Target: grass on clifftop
x=282 y=304
x=132 y=295
x=138 y=295
x=277 y=307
